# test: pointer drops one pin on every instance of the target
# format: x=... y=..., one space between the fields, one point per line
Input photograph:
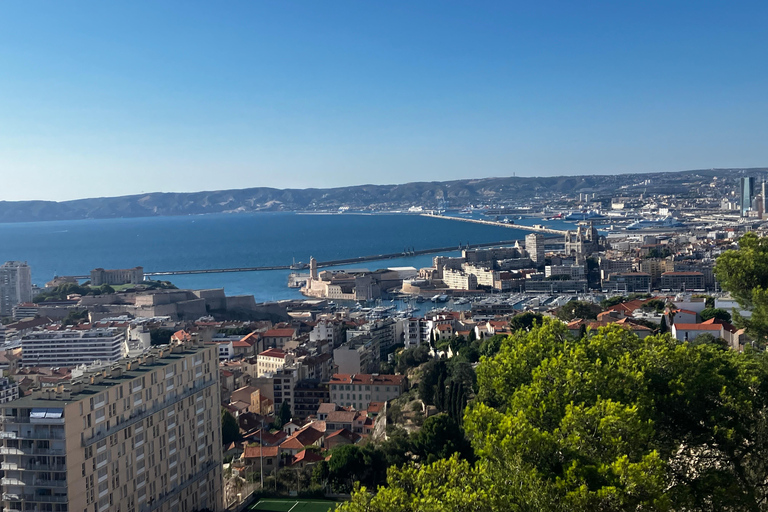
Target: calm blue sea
x=235 y=240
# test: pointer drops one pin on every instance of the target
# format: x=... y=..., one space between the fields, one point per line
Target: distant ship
x=585 y=215
x=666 y=222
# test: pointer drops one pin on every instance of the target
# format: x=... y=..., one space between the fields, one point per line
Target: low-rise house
x=341 y=437
x=254 y=455
x=305 y=458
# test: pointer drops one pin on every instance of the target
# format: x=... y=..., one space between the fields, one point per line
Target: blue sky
x=114 y=98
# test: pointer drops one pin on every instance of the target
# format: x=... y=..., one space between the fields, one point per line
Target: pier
x=535 y=229
x=331 y=263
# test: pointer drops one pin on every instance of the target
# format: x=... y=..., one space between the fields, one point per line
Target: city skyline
x=111 y=100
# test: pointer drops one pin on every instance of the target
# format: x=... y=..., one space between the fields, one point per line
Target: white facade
x=15 y=285
x=534 y=246
x=459 y=280
x=70 y=348
x=574 y=271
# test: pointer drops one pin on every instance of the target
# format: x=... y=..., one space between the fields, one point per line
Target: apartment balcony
x=31 y=451
x=106 y=432
x=34 y=498
x=33 y=482
x=33 y=434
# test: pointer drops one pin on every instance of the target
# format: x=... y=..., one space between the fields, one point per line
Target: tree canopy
x=744 y=273
x=606 y=422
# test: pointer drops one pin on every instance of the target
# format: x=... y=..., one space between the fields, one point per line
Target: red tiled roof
x=251 y=339
x=698 y=327
x=273 y=352
x=291 y=444
x=368 y=379
x=280 y=333
x=346 y=434
x=257 y=452
x=307 y=456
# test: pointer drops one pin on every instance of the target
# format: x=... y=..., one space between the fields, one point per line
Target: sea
x=74 y=247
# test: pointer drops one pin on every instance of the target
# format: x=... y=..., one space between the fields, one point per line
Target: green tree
x=657 y=305
x=744 y=273
x=578 y=309
x=283 y=415
x=663 y=325
x=719 y=314
x=613 y=301
x=455 y=485
x=525 y=320
x=607 y=422
x=439 y=438
x=230 y=431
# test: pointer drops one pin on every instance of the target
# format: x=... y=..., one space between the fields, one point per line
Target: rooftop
x=94 y=382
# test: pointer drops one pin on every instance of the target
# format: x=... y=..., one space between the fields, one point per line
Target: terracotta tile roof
x=268 y=438
x=367 y=379
x=251 y=339
x=280 y=333
x=308 y=436
x=375 y=407
x=291 y=444
x=257 y=452
x=341 y=417
x=307 y=456
x=346 y=434
x=697 y=327
x=273 y=352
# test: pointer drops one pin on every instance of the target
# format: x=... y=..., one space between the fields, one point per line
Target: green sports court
x=289 y=505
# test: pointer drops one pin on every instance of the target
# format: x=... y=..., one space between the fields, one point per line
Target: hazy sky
x=113 y=98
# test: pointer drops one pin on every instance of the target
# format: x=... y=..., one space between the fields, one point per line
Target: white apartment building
x=459 y=280
x=272 y=360
x=15 y=285
x=70 y=348
x=534 y=246
x=483 y=276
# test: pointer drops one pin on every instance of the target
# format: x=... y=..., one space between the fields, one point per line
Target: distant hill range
x=447 y=194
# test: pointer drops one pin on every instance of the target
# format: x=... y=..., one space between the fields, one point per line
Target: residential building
x=141 y=436
x=277 y=338
x=682 y=281
x=359 y=390
x=99 y=276
x=573 y=271
x=307 y=397
x=459 y=280
x=655 y=267
x=627 y=282
x=73 y=347
x=359 y=355
x=15 y=285
x=8 y=390
x=534 y=246
x=271 y=360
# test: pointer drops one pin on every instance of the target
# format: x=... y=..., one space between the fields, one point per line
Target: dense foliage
x=606 y=422
x=744 y=273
